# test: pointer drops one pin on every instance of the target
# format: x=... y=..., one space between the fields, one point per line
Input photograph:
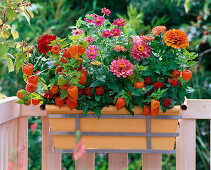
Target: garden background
x=55 y=17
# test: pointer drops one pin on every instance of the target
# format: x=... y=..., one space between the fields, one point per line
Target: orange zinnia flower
x=159 y=29
x=176 y=39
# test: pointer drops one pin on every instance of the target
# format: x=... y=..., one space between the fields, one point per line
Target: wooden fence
x=14 y=136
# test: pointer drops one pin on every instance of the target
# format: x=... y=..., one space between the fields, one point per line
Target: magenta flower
x=79 y=151
x=120 y=48
x=77 y=32
x=89 y=39
x=121 y=67
x=115 y=32
x=147 y=38
x=93 y=48
x=89 y=20
x=136 y=38
x=99 y=20
x=105 y=11
x=92 y=52
x=139 y=50
x=106 y=34
x=119 y=22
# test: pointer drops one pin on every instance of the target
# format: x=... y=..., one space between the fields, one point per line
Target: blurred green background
x=55 y=16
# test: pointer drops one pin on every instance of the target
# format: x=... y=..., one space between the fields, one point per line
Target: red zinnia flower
x=43 y=43
x=147 y=80
x=167 y=102
x=158 y=85
x=88 y=91
x=99 y=90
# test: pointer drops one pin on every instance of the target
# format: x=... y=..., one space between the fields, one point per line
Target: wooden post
x=186 y=145
x=118 y=161
x=23 y=141
x=151 y=161
x=88 y=162
x=50 y=160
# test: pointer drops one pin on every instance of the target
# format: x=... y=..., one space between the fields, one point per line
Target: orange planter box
x=114 y=131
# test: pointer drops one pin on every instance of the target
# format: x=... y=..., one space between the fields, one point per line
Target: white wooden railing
x=14 y=136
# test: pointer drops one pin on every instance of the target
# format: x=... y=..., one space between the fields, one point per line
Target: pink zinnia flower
x=99 y=20
x=92 y=52
x=139 y=50
x=77 y=32
x=79 y=151
x=93 y=48
x=106 y=34
x=119 y=22
x=105 y=11
x=89 y=39
x=121 y=67
x=33 y=127
x=115 y=32
x=120 y=48
x=147 y=38
x=136 y=38
x=89 y=20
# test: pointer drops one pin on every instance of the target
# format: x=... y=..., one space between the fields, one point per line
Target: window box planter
x=114 y=132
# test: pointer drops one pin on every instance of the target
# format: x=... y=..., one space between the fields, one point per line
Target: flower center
x=106 y=33
x=76 y=31
x=140 y=48
x=106 y=11
x=115 y=32
x=119 y=22
x=123 y=65
x=91 y=53
x=97 y=20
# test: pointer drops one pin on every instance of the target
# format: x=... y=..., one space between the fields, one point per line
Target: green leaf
x=27 y=16
x=64 y=94
x=191 y=63
x=19 y=65
x=85 y=109
x=190 y=90
x=97 y=98
x=14 y=33
x=10 y=13
x=139 y=101
x=10 y=64
x=20 y=101
x=187 y=5
x=98 y=112
x=62 y=80
x=129 y=110
x=96 y=83
x=3 y=49
x=113 y=86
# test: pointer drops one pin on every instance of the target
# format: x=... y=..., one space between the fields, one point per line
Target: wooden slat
x=32 y=111
x=186 y=146
x=1 y=147
x=50 y=160
x=23 y=141
x=118 y=161
x=197 y=109
x=12 y=146
x=9 y=109
x=87 y=162
x=151 y=161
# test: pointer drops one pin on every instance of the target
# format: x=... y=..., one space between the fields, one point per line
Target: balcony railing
x=14 y=136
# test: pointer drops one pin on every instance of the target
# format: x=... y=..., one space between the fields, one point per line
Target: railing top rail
x=196 y=109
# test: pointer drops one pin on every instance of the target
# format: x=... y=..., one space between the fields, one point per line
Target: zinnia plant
x=105 y=63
